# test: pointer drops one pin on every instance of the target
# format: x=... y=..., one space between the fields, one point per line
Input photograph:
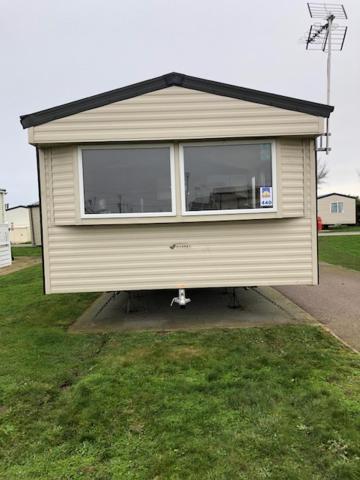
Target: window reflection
x=227 y=177
x=127 y=180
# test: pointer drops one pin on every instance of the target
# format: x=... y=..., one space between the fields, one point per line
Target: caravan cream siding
x=34 y=212
x=347 y=216
x=2 y=207
x=241 y=252
x=175 y=113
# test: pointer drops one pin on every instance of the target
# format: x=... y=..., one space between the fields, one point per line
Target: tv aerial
x=328 y=37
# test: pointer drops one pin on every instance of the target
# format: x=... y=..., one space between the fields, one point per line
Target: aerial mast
x=327 y=37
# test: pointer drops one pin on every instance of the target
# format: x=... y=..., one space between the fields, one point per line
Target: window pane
x=228 y=177
x=127 y=180
x=334 y=207
x=340 y=207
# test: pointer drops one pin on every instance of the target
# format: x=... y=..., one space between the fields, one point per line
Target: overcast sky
x=56 y=51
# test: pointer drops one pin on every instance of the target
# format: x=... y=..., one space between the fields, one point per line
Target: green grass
x=274 y=403
x=341 y=250
x=29 y=251
x=353 y=228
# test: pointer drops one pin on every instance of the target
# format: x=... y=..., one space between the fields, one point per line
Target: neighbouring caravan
x=24 y=223
x=337 y=209
x=178 y=182
x=5 y=248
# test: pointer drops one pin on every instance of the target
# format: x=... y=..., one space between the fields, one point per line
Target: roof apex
x=335 y=193
x=180 y=80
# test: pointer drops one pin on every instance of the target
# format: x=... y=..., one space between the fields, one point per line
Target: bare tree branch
x=322 y=172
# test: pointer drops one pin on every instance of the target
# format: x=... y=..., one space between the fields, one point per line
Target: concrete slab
x=209 y=308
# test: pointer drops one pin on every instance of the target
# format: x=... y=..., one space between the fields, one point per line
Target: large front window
x=199 y=178
x=227 y=177
x=127 y=181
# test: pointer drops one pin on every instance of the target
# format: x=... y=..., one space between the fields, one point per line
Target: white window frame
x=127 y=146
x=248 y=211
x=337 y=202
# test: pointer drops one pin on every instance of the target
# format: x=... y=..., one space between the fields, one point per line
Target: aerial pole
x=328 y=77
x=328 y=69
x=326 y=37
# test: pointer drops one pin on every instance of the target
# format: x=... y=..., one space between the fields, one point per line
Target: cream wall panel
x=101 y=257
x=2 y=207
x=20 y=235
x=131 y=257
x=348 y=216
x=18 y=216
x=63 y=180
x=45 y=182
x=36 y=225
x=292 y=164
x=175 y=113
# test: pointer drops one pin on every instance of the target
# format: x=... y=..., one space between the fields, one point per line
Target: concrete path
x=335 y=302
x=338 y=234
x=19 y=263
x=209 y=308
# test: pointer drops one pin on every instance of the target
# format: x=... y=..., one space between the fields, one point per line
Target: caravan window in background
x=129 y=181
x=337 y=207
x=228 y=177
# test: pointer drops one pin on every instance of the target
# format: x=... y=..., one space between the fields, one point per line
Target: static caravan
x=178 y=182
x=337 y=209
x=24 y=223
x=5 y=248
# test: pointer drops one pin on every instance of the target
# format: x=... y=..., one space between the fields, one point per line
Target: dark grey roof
x=16 y=206
x=180 y=80
x=334 y=193
x=36 y=204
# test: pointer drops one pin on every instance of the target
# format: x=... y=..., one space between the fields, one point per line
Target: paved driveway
x=335 y=302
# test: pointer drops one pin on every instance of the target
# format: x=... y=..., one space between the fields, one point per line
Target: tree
x=322 y=172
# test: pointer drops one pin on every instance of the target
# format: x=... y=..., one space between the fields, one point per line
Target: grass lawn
x=341 y=250
x=28 y=251
x=345 y=228
x=274 y=403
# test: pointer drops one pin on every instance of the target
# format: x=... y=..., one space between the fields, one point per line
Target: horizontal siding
x=36 y=225
x=5 y=249
x=175 y=113
x=5 y=256
x=63 y=180
x=2 y=208
x=131 y=257
x=292 y=163
x=139 y=256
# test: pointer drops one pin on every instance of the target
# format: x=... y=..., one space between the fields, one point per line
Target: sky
x=54 y=52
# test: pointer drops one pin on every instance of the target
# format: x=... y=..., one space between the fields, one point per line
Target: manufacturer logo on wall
x=266 y=197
